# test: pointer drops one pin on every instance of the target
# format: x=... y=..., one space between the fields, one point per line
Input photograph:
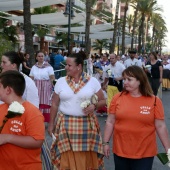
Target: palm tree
x=101 y=13
x=129 y=20
x=28 y=31
x=100 y=44
x=112 y=48
x=42 y=30
x=124 y=23
x=157 y=22
x=134 y=21
x=89 y=10
x=5 y=45
x=87 y=28
x=160 y=37
x=148 y=16
x=9 y=32
x=62 y=38
x=146 y=8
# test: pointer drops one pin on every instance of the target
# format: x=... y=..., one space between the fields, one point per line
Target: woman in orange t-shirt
x=135 y=115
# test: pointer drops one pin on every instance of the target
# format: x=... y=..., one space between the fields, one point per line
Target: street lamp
x=70 y=14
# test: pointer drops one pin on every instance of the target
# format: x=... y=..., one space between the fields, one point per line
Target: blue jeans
x=122 y=163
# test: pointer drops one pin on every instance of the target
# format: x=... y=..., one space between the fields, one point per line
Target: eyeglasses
x=40 y=56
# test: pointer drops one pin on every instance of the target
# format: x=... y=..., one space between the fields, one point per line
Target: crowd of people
x=126 y=88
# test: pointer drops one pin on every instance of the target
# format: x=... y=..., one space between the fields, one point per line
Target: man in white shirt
x=113 y=77
x=76 y=49
x=132 y=60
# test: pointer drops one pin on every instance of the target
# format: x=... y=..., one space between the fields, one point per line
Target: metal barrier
x=62 y=72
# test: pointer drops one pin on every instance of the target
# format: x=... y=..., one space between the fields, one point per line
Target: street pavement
x=157 y=165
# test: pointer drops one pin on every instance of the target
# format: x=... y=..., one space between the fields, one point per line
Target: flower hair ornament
x=15 y=109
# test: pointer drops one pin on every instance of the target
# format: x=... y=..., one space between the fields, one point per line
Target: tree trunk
x=134 y=25
x=124 y=28
x=153 y=35
x=42 y=47
x=87 y=30
x=141 y=32
x=28 y=31
x=112 y=48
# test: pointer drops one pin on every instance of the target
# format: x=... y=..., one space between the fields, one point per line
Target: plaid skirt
x=77 y=134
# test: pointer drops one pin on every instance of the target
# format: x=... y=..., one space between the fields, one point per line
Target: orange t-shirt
x=134 y=130
x=31 y=123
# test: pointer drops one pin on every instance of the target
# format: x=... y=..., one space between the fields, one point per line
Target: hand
x=116 y=79
x=106 y=149
x=50 y=128
x=104 y=87
x=89 y=109
x=160 y=80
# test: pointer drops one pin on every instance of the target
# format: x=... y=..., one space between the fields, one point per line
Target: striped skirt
x=44 y=91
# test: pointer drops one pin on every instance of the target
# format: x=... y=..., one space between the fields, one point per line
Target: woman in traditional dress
x=43 y=75
x=78 y=143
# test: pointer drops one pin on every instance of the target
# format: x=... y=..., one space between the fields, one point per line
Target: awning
x=12 y=5
x=52 y=19
x=93 y=28
x=108 y=35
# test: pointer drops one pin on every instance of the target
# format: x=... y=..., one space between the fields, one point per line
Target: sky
x=165 y=4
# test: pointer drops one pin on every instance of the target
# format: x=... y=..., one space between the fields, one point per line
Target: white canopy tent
x=93 y=28
x=108 y=35
x=12 y=5
x=51 y=19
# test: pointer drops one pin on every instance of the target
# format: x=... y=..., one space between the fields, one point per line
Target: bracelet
x=105 y=143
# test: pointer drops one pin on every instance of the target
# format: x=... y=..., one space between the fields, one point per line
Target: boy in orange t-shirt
x=21 y=136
